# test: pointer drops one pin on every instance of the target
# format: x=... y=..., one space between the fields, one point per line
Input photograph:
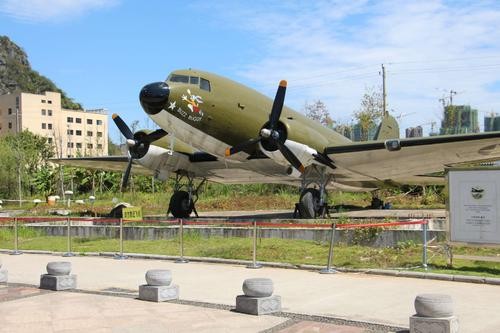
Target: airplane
x=215 y=129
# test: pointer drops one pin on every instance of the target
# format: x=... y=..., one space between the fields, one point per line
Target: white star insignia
x=172 y=105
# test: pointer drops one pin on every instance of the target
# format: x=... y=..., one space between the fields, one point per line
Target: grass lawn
x=407 y=256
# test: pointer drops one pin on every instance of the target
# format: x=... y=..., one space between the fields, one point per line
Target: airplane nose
x=154 y=96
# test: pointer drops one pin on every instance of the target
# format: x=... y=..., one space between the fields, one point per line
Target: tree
x=370 y=111
x=22 y=157
x=319 y=112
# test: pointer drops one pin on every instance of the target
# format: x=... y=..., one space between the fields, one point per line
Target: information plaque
x=474 y=202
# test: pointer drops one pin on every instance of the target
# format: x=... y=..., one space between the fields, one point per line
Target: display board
x=474 y=205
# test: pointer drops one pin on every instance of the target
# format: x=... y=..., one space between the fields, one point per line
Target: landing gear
x=182 y=202
x=313 y=202
x=181 y=205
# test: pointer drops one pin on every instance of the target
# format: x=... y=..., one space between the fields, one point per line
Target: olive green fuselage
x=225 y=113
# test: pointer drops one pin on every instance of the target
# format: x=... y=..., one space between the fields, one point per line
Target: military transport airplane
x=215 y=129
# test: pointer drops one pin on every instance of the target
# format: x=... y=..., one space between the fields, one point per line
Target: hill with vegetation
x=16 y=73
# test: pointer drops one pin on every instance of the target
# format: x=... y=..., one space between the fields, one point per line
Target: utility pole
x=383 y=90
x=452 y=92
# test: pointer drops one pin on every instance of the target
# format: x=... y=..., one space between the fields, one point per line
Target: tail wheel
x=309 y=205
x=181 y=206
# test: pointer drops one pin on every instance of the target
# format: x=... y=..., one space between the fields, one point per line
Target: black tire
x=309 y=203
x=180 y=205
x=376 y=203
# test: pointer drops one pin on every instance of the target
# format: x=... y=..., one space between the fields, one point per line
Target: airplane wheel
x=180 y=205
x=309 y=203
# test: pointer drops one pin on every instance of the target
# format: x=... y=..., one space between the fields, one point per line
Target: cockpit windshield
x=195 y=80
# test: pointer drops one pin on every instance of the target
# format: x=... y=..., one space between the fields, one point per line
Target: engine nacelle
x=155 y=159
x=303 y=152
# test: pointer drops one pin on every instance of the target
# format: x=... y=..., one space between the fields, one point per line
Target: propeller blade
x=277 y=105
x=126 y=175
x=241 y=146
x=156 y=135
x=124 y=129
x=290 y=157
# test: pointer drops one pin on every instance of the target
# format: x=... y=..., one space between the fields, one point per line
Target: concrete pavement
x=360 y=297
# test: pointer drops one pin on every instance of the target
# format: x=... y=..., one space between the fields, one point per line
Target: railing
x=182 y=223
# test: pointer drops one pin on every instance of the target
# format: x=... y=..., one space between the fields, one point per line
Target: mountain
x=16 y=72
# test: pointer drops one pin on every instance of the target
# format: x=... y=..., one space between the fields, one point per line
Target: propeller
x=138 y=144
x=272 y=134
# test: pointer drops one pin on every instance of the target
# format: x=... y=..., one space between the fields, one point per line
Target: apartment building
x=72 y=132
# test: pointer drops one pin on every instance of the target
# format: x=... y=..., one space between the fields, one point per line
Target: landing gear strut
x=313 y=202
x=182 y=202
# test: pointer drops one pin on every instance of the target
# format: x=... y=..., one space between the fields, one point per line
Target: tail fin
x=388 y=128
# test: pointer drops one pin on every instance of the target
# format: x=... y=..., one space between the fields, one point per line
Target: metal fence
x=179 y=225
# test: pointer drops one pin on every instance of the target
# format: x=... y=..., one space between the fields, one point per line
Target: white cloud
x=36 y=11
x=332 y=51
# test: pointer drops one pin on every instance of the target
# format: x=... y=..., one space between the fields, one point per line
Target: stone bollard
x=258 y=297
x=158 y=287
x=434 y=314
x=4 y=274
x=58 y=277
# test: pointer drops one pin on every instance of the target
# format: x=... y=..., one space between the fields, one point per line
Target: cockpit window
x=205 y=84
x=194 y=80
x=179 y=78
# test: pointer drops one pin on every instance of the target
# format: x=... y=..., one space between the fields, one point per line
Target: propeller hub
x=154 y=96
x=131 y=142
x=265 y=133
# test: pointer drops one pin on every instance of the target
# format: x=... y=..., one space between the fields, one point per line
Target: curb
x=386 y=272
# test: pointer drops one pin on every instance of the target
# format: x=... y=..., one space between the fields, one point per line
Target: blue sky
x=101 y=52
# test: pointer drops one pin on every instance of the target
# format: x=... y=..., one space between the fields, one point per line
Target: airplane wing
x=411 y=161
x=107 y=163
x=197 y=165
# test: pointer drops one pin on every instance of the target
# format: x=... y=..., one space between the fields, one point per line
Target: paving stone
x=158 y=293
x=258 y=305
x=4 y=274
x=57 y=282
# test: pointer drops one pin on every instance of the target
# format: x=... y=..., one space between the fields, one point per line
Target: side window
x=194 y=80
x=179 y=78
x=205 y=84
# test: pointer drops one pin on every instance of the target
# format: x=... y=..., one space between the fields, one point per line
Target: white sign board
x=474 y=203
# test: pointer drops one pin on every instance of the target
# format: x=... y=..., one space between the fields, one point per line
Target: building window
x=17 y=101
x=89 y=133
x=49 y=112
x=10 y=111
x=10 y=125
x=49 y=101
x=70 y=145
x=44 y=125
x=99 y=134
x=49 y=126
x=69 y=119
x=98 y=122
x=99 y=146
x=89 y=121
x=70 y=132
x=44 y=112
x=43 y=101
x=70 y=156
x=90 y=146
x=78 y=120
x=49 y=140
x=78 y=145
x=78 y=132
